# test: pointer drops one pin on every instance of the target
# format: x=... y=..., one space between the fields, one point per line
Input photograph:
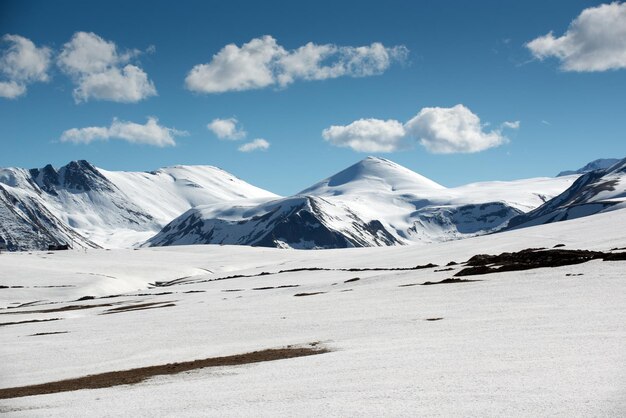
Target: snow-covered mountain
x=599 y=164
x=374 y=202
x=84 y=206
x=594 y=192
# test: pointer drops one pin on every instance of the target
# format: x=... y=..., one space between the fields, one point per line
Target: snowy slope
x=89 y=207
x=594 y=192
x=170 y=191
x=295 y=222
x=541 y=342
x=372 y=203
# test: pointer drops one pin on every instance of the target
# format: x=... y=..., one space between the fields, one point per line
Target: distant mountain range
x=374 y=202
x=85 y=206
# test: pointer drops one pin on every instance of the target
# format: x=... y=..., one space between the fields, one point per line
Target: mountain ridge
x=374 y=202
x=85 y=206
x=594 y=192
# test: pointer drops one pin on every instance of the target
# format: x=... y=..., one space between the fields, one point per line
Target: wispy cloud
x=258 y=144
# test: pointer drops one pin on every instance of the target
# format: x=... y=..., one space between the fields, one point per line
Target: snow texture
x=539 y=342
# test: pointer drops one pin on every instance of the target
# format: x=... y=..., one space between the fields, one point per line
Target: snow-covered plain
x=548 y=341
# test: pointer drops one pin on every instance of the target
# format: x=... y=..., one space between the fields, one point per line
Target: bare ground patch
x=133 y=376
x=451 y=280
x=284 y=286
x=533 y=258
x=48 y=333
x=60 y=309
x=3 y=324
x=139 y=307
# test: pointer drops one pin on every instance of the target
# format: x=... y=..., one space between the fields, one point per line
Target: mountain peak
x=370 y=174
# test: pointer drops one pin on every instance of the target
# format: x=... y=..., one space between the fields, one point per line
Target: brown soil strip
x=61 y=309
x=308 y=294
x=2 y=324
x=139 y=307
x=133 y=376
x=48 y=333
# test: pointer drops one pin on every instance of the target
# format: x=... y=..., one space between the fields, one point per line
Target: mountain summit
x=372 y=173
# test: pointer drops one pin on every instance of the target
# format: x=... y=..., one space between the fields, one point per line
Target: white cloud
x=262 y=62
x=439 y=130
x=257 y=144
x=234 y=68
x=594 y=41
x=368 y=135
x=100 y=72
x=85 y=135
x=129 y=84
x=227 y=129
x=151 y=133
x=11 y=89
x=511 y=124
x=452 y=130
x=22 y=63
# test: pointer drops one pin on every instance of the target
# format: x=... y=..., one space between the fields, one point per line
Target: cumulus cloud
x=594 y=41
x=22 y=63
x=262 y=62
x=257 y=144
x=439 y=130
x=101 y=72
x=227 y=129
x=11 y=89
x=452 y=130
x=368 y=135
x=151 y=133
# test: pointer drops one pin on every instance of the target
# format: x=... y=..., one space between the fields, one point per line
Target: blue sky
x=570 y=108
